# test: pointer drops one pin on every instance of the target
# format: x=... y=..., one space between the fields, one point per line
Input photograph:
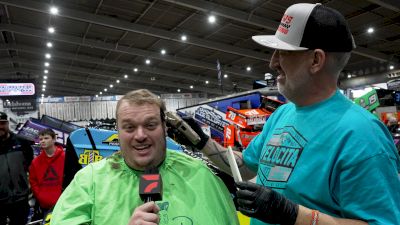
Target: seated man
x=46 y=171
x=107 y=192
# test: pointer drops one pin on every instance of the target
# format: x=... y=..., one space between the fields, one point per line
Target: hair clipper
x=177 y=122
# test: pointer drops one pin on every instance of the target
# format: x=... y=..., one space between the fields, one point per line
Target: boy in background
x=46 y=171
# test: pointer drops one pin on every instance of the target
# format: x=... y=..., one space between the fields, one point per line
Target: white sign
x=16 y=89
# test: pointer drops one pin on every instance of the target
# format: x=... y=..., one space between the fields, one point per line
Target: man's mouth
x=141 y=147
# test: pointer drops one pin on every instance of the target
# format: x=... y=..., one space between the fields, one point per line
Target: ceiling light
x=211 y=19
x=51 y=30
x=391 y=67
x=349 y=76
x=101 y=93
x=179 y=90
x=117 y=81
x=248 y=68
x=183 y=38
x=125 y=76
x=44 y=86
x=111 y=86
x=225 y=75
x=105 y=89
x=54 y=10
x=42 y=95
x=43 y=89
x=46 y=71
x=206 y=81
x=97 y=96
x=46 y=64
x=148 y=61
x=49 y=44
x=44 y=81
x=135 y=69
x=163 y=51
x=191 y=86
x=370 y=30
x=45 y=77
x=47 y=55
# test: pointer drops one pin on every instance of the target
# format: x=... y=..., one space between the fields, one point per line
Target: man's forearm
x=217 y=154
x=305 y=217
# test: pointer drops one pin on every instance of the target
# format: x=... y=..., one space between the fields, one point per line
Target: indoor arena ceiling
x=97 y=42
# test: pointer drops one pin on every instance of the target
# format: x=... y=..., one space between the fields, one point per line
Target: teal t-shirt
x=106 y=192
x=333 y=156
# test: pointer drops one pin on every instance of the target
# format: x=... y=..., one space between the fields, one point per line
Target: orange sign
x=246 y=117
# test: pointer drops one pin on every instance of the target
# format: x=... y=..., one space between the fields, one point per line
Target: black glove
x=195 y=126
x=265 y=204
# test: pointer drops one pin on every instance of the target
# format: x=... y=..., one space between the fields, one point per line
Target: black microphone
x=150 y=185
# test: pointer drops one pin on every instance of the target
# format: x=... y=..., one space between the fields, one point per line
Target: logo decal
x=89 y=156
x=279 y=157
x=112 y=140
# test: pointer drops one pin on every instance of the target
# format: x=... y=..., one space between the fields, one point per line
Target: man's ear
x=319 y=61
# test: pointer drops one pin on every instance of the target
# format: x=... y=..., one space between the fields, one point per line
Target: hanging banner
x=20 y=104
x=17 y=89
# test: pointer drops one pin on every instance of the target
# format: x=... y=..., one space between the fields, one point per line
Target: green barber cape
x=107 y=193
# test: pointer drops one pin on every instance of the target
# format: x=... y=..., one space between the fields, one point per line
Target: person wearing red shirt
x=46 y=171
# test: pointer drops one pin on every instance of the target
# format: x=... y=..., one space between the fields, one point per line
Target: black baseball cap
x=3 y=116
x=310 y=26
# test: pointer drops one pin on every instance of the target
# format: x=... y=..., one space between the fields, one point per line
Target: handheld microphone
x=150 y=185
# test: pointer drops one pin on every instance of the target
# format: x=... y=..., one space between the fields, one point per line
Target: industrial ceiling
x=97 y=42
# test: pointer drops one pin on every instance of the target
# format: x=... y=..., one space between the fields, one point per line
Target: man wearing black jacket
x=16 y=155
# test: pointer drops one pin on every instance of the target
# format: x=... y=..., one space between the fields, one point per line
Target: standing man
x=15 y=157
x=320 y=159
x=46 y=171
x=107 y=192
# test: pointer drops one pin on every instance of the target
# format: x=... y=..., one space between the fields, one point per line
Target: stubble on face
x=293 y=80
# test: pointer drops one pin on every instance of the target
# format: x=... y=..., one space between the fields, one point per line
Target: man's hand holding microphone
x=146 y=214
x=150 y=191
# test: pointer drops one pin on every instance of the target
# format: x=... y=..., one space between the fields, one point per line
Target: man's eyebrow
x=150 y=118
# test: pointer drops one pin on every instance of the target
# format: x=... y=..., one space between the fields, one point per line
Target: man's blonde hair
x=140 y=97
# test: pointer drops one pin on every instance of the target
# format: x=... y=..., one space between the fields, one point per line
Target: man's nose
x=140 y=134
x=274 y=62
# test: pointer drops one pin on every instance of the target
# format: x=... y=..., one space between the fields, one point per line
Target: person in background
x=320 y=159
x=392 y=124
x=16 y=155
x=46 y=171
x=107 y=192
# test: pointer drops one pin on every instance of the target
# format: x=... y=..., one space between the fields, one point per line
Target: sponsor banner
x=174 y=96
x=213 y=118
x=17 y=89
x=77 y=99
x=52 y=99
x=106 y=98
x=20 y=104
x=183 y=95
